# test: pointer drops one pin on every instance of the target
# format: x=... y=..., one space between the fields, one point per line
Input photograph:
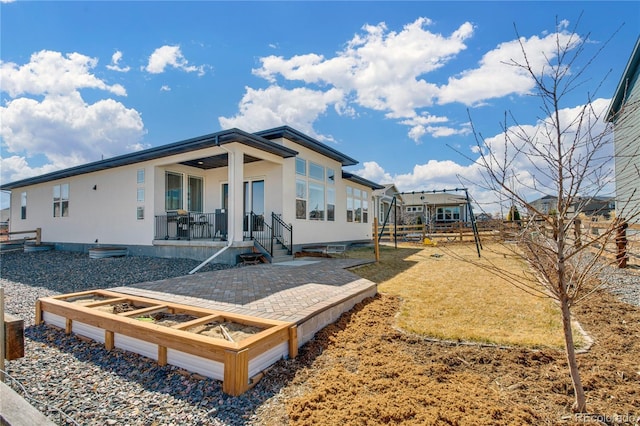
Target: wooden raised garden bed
x=229 y=347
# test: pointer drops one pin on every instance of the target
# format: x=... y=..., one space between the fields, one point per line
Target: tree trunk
x=580 y=403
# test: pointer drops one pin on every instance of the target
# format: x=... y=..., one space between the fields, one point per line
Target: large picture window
x=173 y=191
x=61 y=200
x=315 y=191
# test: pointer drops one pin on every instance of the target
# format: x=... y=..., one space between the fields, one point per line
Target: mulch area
x=363 y=371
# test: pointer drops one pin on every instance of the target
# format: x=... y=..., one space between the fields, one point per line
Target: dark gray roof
x=260 y=140
x=308 y=142
x=624 y=87
x=360 y=180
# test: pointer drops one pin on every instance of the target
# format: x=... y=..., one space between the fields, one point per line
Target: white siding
x=627 y=151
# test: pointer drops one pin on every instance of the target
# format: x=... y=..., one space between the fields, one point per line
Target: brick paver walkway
x=291 y=291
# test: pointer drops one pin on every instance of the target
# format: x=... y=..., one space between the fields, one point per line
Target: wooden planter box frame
x=235 y=356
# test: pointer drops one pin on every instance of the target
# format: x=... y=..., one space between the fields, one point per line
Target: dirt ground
x=363 y=371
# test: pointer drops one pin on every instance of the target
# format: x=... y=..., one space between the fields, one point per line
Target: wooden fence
x=622 y=245
x=9 y=243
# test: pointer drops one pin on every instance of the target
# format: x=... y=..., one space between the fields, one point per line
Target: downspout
x=230 y=236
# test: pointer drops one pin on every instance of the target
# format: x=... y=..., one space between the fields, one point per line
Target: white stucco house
x=228 y=191
x=624 y=113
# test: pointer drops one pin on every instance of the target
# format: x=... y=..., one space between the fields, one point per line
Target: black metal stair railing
x=282 y=232
x=260 y=232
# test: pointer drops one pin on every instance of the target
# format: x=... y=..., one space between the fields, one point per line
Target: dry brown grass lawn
x=450 y=299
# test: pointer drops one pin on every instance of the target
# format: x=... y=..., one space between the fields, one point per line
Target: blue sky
x=387 y=83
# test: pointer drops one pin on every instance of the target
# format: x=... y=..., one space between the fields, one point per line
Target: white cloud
x=448 y=174
x=115 y=63
x=172 y=56
x=374 y=172
x=55 y=122
x=276 y=106
x=390 y=71
x=50 y=72
x=496 y=76
x=16 y=168
x=379 y=69
x=165 y=88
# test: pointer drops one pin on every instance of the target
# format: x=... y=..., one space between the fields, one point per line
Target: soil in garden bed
x=223 y=330
x=85 y=300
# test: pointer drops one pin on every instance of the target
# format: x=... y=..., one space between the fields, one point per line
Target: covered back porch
x=231 y=193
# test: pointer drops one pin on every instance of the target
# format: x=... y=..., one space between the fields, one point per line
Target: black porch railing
x=266 y=235
x=183 y=225
x=191 y=226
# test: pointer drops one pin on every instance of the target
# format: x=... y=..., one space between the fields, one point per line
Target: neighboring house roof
x=425 y=197
x=360 y=180
x=388 y=190
x=545 y=198
x=260 y=140
x=624 y=87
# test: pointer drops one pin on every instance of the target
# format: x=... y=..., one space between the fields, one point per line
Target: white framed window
x=195 y=193
x=357 y=205
x=331 y=204
x=316 y=201
x=301 y=199
x=173 y=191
x=140 y=195
x=61 y=200
x=365 y=207
x=316 y=171
x=23 y=205
x=448 y=214
x=140 y=212
x=349 y=204
x=301 y=166
x=140 y=176
x=331 y=176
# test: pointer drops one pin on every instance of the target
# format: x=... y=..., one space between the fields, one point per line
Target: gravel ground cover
x=360 y=370
x=90 y=385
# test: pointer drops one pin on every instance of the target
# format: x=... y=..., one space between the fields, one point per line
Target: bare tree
x=568 y=155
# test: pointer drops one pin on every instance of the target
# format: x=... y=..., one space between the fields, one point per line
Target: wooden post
x=577 y=231
x=376 y=244
x=236 y=372
x=461 y=229
x=621 y=243
x=38 y=312
x=109 y=340
x=162 y=355
x=293 y=341
x=13 y=337
x=1 y=334
x=38 y=236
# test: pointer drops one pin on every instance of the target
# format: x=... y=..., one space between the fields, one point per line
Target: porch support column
x=236 y=193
